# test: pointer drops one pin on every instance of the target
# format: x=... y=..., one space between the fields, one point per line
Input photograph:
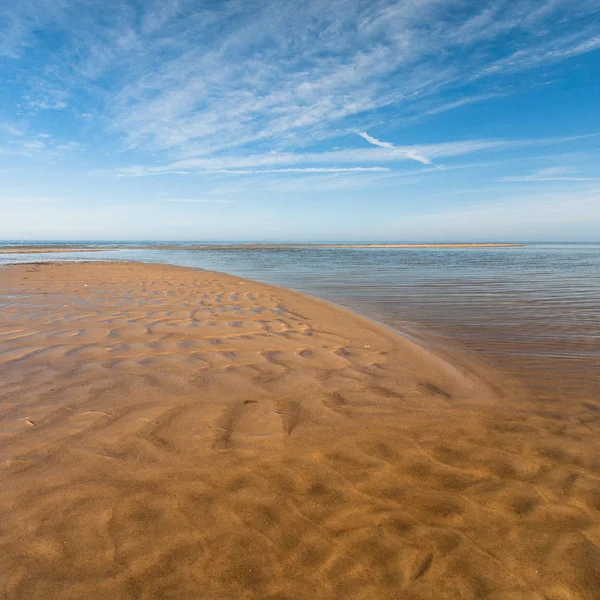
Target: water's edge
x=529 y=312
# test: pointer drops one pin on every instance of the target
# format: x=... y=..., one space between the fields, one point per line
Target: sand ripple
x=173 y=433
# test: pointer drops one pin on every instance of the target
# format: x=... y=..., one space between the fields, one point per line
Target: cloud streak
x=410 y=153
x=538 y=178
x=374 y=141
x=200 y=201
x=341 y=160
x=283 y=74
x=310 y=170
x=558 y=173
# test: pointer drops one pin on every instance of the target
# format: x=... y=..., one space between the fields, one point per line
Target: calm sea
x=533 y=311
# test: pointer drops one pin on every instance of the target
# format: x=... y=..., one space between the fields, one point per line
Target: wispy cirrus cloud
x=539 y=178
x=18 y=141
x=47 y=105
x=199 y=79
x=341 y=160
x=447 y=106
x=395 y=65
x=311 y=170
x=199 y=201
x=560 y=173
x=410 y=152
x=11 y=130
x=374 y=141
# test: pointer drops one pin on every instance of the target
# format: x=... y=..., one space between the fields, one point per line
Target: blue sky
x=439 y=120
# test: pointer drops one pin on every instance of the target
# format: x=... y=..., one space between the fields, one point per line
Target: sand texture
x=170 y=433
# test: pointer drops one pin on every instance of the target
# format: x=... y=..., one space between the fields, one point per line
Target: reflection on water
x=533 y=311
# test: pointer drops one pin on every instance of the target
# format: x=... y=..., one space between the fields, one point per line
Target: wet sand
x=176 y=433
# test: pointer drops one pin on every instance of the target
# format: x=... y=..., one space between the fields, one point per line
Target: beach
x=169 y=432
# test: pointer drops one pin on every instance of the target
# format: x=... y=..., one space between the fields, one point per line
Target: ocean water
x=533 y=312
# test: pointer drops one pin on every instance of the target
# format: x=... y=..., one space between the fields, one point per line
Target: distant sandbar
x=36 y=249
x=53 y=249
x=322 y=246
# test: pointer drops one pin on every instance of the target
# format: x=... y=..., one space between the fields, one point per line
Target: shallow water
x=532 y=311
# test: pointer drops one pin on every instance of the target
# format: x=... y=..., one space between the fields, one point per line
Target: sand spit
x=320 y=246
x=420 y=245
x=176 y=433
x=36 y=249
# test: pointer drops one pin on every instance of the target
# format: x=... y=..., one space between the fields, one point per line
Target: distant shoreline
x=322 y=246
x=34 y=249
x=44 y=249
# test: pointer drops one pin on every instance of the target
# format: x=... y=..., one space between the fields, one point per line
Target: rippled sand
x=173 y=433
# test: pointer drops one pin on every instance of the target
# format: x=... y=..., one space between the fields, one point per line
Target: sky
x=313 y=120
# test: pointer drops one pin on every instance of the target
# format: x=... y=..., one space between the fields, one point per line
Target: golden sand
x=175 y=433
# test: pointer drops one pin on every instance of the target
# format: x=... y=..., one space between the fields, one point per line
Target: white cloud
x=47 y=105
x=445 y=107
x=11 y=130
x=23 y=146
x=554 y=171
x=22 y=143
x=374 y=141
x=280 y=161
x=410 y=153
x=137 y=171
x=201 y=78
x=309 y=170
x=558 y=173
x=537 y=178
x=377 y=155
x=200 y=201
x=68 y=146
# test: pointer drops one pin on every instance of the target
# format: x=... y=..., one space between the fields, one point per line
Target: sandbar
x=323 y=246
x=168 y=432
x=37 y=249
x=51 y=249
